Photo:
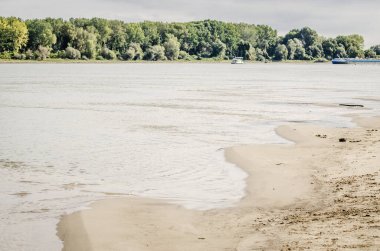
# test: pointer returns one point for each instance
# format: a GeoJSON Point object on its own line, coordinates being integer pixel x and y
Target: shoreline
{"type": "Point", "coordinates": [203, 61]}
{"type": "Point", "coordinates": [317, 193]}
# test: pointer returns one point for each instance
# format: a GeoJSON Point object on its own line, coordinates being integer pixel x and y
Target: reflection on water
{"type": "Point", "coordinates": [70, 134]}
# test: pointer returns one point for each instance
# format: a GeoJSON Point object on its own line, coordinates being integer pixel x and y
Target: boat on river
{"type": "Point", "coordinates": [354, 60]}
{"type": "Point", "coordinates": [237, 60]}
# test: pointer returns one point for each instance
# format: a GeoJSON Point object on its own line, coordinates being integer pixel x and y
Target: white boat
{"type": "Point", "coordinates": [237, 60]}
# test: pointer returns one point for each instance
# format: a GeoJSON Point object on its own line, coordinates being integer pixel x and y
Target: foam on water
{"type": "Point", "coordinates": [71, 134]}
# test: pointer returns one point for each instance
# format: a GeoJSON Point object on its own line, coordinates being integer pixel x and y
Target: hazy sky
{"type": "Point", "coordinates": [328, 17]}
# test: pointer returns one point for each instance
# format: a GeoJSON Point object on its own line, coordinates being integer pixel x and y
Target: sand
{"type": "Point", "coordinates": [317, 194]}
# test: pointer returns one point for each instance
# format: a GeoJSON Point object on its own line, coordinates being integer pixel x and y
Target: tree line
{"type": "Point", "coordinates": [102, 39]}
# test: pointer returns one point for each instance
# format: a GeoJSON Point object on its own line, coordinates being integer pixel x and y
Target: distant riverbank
{"type": "Point", "coordinates": [73, 61]}
{"type": "Point", "coordinates": [102, 39]}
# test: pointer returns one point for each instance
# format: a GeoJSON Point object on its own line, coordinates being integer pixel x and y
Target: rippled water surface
{"type": "Point", "coordinates": [74, 133]}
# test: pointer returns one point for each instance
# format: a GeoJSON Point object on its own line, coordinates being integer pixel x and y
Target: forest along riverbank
{"type": "Point", "coordinates": [322, 192]}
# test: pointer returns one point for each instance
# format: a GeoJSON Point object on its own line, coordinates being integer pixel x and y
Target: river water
{"type": "Point", "coordinates": [74, 133]}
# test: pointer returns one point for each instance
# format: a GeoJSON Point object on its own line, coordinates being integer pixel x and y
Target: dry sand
{"type": "Point", "coordinates": [317, 194]}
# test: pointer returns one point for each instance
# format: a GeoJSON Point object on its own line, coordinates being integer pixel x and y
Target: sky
{"type": "Point", "coordinates": [328, 17]}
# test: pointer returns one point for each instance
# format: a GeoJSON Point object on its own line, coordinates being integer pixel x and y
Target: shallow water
{"type": "Point", "coordinates": [74, 133]}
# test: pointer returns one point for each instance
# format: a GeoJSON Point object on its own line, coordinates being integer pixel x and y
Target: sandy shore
{"type": "Point", "coordinates": [317, 194]}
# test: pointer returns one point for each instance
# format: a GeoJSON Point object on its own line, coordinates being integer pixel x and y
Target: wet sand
{"type": "Point", "coordinates": [318, 194]}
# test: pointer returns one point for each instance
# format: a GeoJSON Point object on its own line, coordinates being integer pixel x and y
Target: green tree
{"type": "Point", "coordinates": [370, 53]}
{"type": "Point", "coordinates": [42, 52]}
{"type": "Point", "coordinates": [13, 34]}
{"type": "Point", "coordinates": [329, 48]}
{"type": "Point", "coordinates": [149, 35]}
{"type": "Point", "coordinates": [155, 53]}
{"type": "Point", "coordinates": [340, 52]}
{"type": "Point", "coordinates": [108, 54]}
{"type": "Point", "coordinates": [135, 34]}
{"type": "Point", "coordinates": [230, 36]}
{"type": "Point", "coordinates": [118, 39]}
{"type": "Point", "coordinates": [56, 25]}
{"type": "Point", "coordinates": [204, 49]}
{"type": "Point", "coordinates": [66, 36]}
{"type": "Point", "coordinates": [296, 49]}
{"type": "Point", "coordinates": [248, 33]}
{"type": "Point", "coordinates": [281, 52]}
{"type": "Point", "coordinates": [309, 37]}
{"type": "Point", "coordinates": [72, 53]}
{"type": "Point", "coordinates": [246, 50]}
{"type": "Point", "coordinates": [84, 22]}
{"type": "Point", "coordinates": [103, 30]}
{"type": "Point", "coordinates": [260, 55]}
{"type": "Point", "coordinates": [171, 47]}
{"type": "Point", "coordinates": [189, 39]}
{"type": "Point", "coordinates": [184, 56]}
{"type": "Point", "coordinates": [85, 42]}
{"type": "Point", "coordinates": [353, 45]}
{"type": "Point", "coordinates": [134, 52]}
{"type": "Point", "coordinates": [218, 49]}
{"type": "Point", "coordinates": [40, 34]}
{"type": "Point", "coordinates": [266, 40]}
{"type": "Point", "coordinates": [29, 54]}
{"type": "Point", "coordinates": [315, 51]}
{"type": "Point", "coordinates": [310, 41]}
{"type": "Point", "coordinates": [376, 49]}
